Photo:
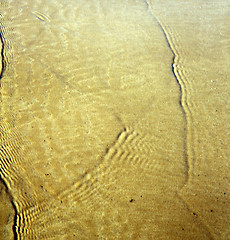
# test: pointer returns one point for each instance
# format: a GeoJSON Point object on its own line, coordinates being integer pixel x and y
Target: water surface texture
{"type": "Point", "coordinates": [114, 119]}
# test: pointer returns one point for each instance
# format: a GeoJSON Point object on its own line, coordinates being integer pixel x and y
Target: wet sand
{"type": "Point", "coordinates": [114, 120]}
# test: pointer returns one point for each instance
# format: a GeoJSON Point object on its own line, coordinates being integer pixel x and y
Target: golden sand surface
{"type": "Point", "coordinates": [114, 119]}
{"type": "Point", "coordinates": [7, 213]}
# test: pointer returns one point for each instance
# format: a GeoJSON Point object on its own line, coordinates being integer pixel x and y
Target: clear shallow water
{"type": "Point", "coordinates": [114, 119]}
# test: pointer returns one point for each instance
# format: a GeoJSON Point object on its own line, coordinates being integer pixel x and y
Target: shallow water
{"type": "Point", "coordinates": [114, 120]}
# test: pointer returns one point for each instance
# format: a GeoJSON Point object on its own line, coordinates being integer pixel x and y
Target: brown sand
{"type": "Point", "coordinates": [101, 137]}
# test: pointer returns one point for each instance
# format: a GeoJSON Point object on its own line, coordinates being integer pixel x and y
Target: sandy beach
{"type": "Point", "coordinates": [114, 120]}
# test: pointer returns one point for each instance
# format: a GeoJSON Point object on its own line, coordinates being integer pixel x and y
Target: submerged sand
{"type": "Point", "coordinates": [114, 120]}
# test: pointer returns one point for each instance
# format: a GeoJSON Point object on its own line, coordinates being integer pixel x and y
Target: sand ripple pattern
{"type": "Point", "coordinates": [185, 89]}
{"type": "Point", "coordinates": [96, 123]}
{"type": "Point", "coordinates": [195, 72]}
